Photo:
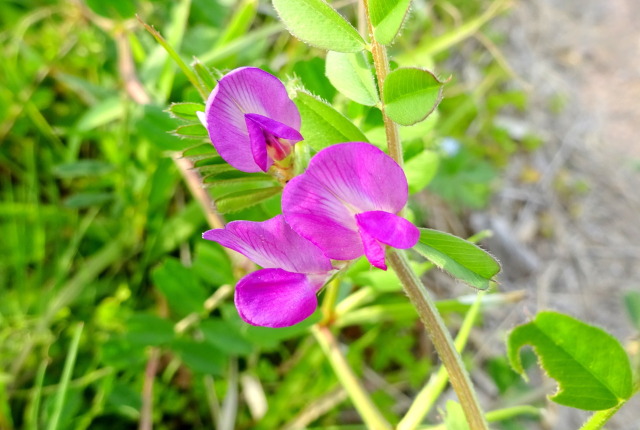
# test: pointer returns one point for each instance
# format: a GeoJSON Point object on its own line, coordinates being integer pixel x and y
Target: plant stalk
{"type": "Point", "coordinates": [440, 337]}
{"type": "Point", "coordinates": [412, 285]}
{"type": "Point", "coordinates": [329, 302]}
{"type": "Point", "coordinates": [429, 394]}
{"type": "Point", "coordinates": [381, 64]}
{"type": "Point", "coordinates": [600, 418]}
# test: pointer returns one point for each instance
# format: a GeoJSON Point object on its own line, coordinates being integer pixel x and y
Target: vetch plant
{"type": "Point", "coordinates": [348, 201]}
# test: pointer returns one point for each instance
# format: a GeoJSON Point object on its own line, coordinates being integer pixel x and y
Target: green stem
{"type": "Point", "coordinates": [366, 408]}
{"type": "Point", "coordinates": [427, 397]}
{"type": "Point", "coordinates": [440, 337]}
{"type": "Point", "coordinates": [381, 64]}
{"type": "Point", "coordinates": [329, 302]}
{"type": "Point", "coordinates": [413, 287]}
{"type": "Point", "coordinates": [600, 418]}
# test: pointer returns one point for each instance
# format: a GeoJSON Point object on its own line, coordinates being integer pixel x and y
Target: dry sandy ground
{"type": "Point", "coordinates": [572, 238]}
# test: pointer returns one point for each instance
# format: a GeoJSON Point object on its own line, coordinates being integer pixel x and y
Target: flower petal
{"type": "Point", "coordinates": [373, 250]}
{"type": "Point", "coordinates": [258, 144]}
{"type": "Point", "coordinates": [275, 298]}
{"type": "Point", "coordinates": [274, 127]}
{"type": "Point", "coordinates": [341, 181]}
{"type": "Point", "coordinates": [259, 127]}
{"type": "Point", "coordinates": [315, 214]}
{"type": "Point", "coordinates": [271, 244]}
{"type": "Point", "coordinates": [244, 91]}
{"type": "Point", "coordinates": [389, 229]}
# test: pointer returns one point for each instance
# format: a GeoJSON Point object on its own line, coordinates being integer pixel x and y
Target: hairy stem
{"type": "Point", "coordinates": [381, 64]}
{"type": "Point", "coordinates": [600, 418]}
{"type": "Point", "coordinates": [440, 337]}
{"type": "Point", "coordinates": [428, 396]}
{"type": "Point", "coordinates": [366, 408]}
{"type": "Point", "coordinates": [413, 287]}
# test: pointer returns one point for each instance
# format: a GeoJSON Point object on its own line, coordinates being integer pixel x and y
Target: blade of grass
{"type": "Point", "coordinates": [33, 410]}
{"type": "Point", "coordinates": [240, 22]}
{"type": "Point", "coordinates": [175, 33]}
{"type": "Point", "coordinates": [92, 267]}
{"type": "Point", "coordinates": [66, 377]}
{"type": "Point", "coordinates": [431, 47]}
{"type": "Point", "coordinates": [361, 400]}
{"type": "Point", "coordinates": [239, 44]}
{"type": "Point", "coordinates": [191, 76]}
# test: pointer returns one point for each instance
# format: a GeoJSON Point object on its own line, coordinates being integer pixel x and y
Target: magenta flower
{"type": "Point", "coordinates": [284, 292]}
{"type": "Point", "coordinates": [251, 120]}
{"type": "Point", "coordinates": [347, 203]}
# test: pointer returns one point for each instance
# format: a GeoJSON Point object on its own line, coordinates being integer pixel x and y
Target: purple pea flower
{"type": "Point", "coordinates": [283, 293]}
{"type": "Point", "coordinates": [251, 120]}
{"type": "Point", "coordinates": [347, 203]}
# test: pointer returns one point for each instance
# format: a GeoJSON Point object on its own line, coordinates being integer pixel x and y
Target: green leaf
{"type": "Point", "coordinates": [271, 338]}
{"type": "Point", "coordinates": [387, 17]}
{"type": "Point", "coordinates": [318, 24]}
{"type": "Point", "coordinates": [180, 287]}
{"type": "Point", "coordinates": [421, 169]}
{"type": "Point", "coordinates": [155, 125]}
{"type": "Point", "coordinates": [85, 200]}
{"type": "Point", "coordinates": [212, 264]}
{"type": "Point", "coordinates": [194, 152]}
{"type": "Point", "coordinates": [201, 357]}
{"type": "Point", "coordinates": [240, 23]}
{"type": "Point", "coordinates": [100, 114]}
{"type": "Point", "coordinates": [235, 177]}
{"type": "Point", "coordinates": [591, 367]}
{"type": "Point", "coordinates": [82, 168]}
{"type": "Point", "coordinates": [239, 200]}
{"type": "Point", "coordinates": [191, 131]}
{"type": "Point", "coordinates": [322, 125]}
{"type": "Point", "coordinates": [461, 259]}
{"type": "Point", "coordinates": [226, 337]}
{"type": "Point", "coordinates": [207, 161]}
{"type": "Point", "coordinates": [205, 75]}
{"type": "Point", "coordinates": [117, 9]}
{"type": "Point", "coordinates": [351, 75]}
{"type": "Point", "coordinates": [210, 170]}
{"type": "Point", "coordinates": [186, 110]}
{"type": "Point", "coordinates": [632, 304]}
{"type": "Point", "coordinates": [411, 94]}
{"type": "Point", "coordinates": [147, 329]}
{"type": "Point", "coordinates": [312, 74]}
